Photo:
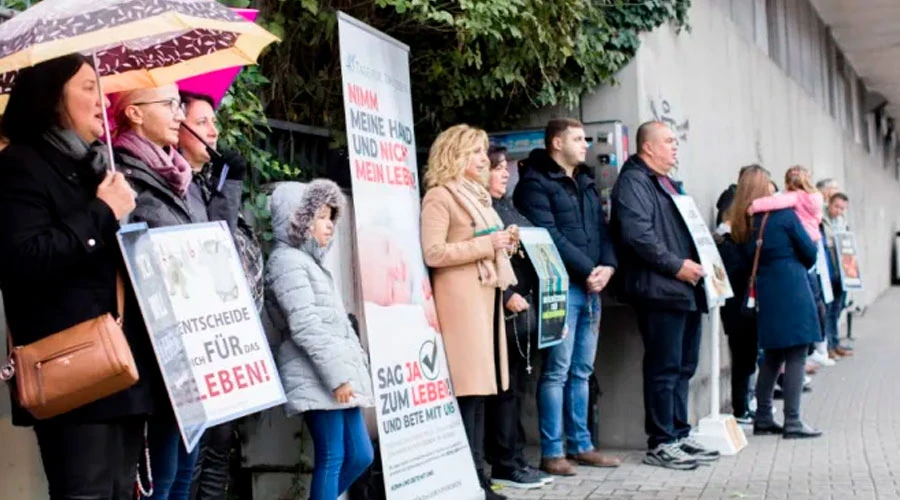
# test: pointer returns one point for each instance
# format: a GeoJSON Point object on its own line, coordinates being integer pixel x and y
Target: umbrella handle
{"type": "Point", "coordinates": [109, 147]}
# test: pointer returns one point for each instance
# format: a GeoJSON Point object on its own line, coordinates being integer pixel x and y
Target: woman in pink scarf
{"type": "Point", "coordinates": [145, 139]}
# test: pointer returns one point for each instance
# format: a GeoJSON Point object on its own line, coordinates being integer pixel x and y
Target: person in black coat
{"type": "Point", "coordinates": [557, 192]}
{"type": "Point", "coordinates": [504, 433]}
{"type": "Point", "coordinates": [59, 213]}
{"type": "Point", "coordinates": [787, 315]}
{"type": "Point", "coordinates": [660, 276]}
{"type": "Point", "coordinates": [739, 327]}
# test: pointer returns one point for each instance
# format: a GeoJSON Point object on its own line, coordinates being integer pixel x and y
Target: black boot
{"type": "Point", "coordinates": [489, 493]}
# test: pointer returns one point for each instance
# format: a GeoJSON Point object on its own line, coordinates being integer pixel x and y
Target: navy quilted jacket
{"type": "Point", "coordinates": [569, 208]}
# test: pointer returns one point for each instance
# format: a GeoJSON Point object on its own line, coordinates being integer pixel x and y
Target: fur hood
{"type": "Point", "coordinates": [294, 206]}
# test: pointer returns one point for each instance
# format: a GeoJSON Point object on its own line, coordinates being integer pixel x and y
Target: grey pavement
{"type": "Point", "coordinates": [856, 403]}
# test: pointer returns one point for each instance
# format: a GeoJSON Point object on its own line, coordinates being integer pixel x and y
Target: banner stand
{"type": "Point", "coordinates": [718, 431]}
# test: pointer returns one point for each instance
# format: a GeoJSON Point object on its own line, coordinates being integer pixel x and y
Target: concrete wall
{"type": "Point", "coordinates": [731, 105]}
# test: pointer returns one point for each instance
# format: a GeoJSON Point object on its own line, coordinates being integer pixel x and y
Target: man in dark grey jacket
{"type": "Point", "coordinates": [660, 276]}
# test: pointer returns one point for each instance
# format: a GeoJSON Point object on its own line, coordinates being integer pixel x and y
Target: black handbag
{"type": "Point", "coordinates": [749, 306]}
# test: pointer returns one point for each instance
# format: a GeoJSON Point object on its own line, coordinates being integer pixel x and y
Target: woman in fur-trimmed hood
{"type": "Point", "coordinates": [322, 364]}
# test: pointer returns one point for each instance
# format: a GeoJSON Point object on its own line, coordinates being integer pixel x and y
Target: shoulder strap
{"type": "Point", "coordinates": [759, 244]}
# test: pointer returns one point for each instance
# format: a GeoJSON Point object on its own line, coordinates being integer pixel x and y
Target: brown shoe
{"type": "Point", "coordinates": [840, 351]}
{"type": "Point", "coordinates": [811, 368]}
{"type": "Point", "coordinates": [558, 467]}
{"type": "Point", "coordinates": [833, 354]}
{"type": "Point", "coordinates": [595, 459]}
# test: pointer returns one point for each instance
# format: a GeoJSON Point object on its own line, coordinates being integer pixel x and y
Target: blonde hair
{"type": "Point", "coordinates": [450, 154]}
{"type": "Point", "coordinates": [798, 178]}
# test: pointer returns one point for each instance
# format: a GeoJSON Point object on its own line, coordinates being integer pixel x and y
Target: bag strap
{"type": "Point", "coordinates": [759, 244]}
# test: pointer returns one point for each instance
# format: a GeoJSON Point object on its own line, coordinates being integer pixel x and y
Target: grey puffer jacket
{"type": "Point", "coordinates": [319, 350]}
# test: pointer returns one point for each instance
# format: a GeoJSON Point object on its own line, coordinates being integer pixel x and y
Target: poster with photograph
{"type": "Point", "coordinates": [424, 450]}
{"type": "Point", "coordinates": [716, 283]}
{"type": "Point", "coordinates": [203, 324]}
{"type": "Point", "coordinates": [553, 288]}
{"type": "Point", "coordinates": [848, 257]}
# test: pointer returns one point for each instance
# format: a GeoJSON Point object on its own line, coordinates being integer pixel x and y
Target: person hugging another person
{"type": "Point", "coordinates": [322, 364]}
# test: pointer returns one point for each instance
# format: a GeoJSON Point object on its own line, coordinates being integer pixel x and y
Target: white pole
{"type": "Point", "coordinates": [715, 321]}
{"type": "Point", "coordinates": [109, 147]}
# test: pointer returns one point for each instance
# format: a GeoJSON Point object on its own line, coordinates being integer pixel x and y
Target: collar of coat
{"type": "Point", "coordinates": [136, 170]}
{"type": "Point", "coordinates": [635, 162]}
{"type": "Point", "coordinates": [541, 162]}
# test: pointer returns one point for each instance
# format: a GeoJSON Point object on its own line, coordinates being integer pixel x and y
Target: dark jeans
{"type": "Point", "coordinates": [832, 316]}
{"type": "Point", "coordinates": [91, 461]}
{"type": "Point", "coordinates": [504, 445]}
{"type": "Point", "coordinates": [172, 465]}
{"type": "Point", "coordinates": [744, 348]}
{"type": "Point", "coordinates": [671, 351]}
{"type": "Point", "coordinates": [343, 450]}
{"type": "Point", "coordinates": [471, 409]}
{"type": "Point", "coordinates": [212, 474]}
{"type": "Point", "coordinates": [794, 359]}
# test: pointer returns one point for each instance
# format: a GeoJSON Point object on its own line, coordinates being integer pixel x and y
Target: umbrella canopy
{"type": "Point", "coordinates": [137, 43]}
{"type": "Point", "coordinates": [216, 84]}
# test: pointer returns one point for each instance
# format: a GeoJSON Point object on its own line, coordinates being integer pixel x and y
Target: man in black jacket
{"type": "Point", "coordinates": [660, 276]}
{"type": "Point", "coordinates": [558, 192]}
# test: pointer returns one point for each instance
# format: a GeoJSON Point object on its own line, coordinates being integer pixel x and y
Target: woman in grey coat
{"type": "Point", "coordinates": [323, 367]}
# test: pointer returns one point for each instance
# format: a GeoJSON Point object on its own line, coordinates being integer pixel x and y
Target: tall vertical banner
{"type": "Point", "coordinates": [205, 331]}
{"type": "Point", "coordinates": [424, 450]}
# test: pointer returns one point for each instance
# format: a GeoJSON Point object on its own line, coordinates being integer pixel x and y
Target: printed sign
{"type": "Point", "coordinates": [553, 282]}
{"type": "Point", "coordinates": [824, 275]}
{"type": "Point", "coordinates": [848, 257]}
{"type": "Point", "coordinates": [203, 323]}
{"type": "Point", "coordinates": [424, 449]}
{"type": "Point", "coordinates": [716, 283]}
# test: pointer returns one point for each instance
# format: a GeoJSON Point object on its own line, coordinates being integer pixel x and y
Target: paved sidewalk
{"type": "Point", "coordinates": [856, 403]}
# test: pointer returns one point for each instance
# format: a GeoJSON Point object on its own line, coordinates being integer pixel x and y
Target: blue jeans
{"type": "Point", "coordinates": [343, 450]}
{"type": "Point", "coordinates": [563, 389]}
{"type": "Point", "coordinates": [172, 465]}
{"type": "Point", "coordinates": [832, 316]}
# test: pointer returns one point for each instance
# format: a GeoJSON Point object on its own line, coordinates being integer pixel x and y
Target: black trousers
{"type": "Point", "coordinates": [212, 475]}
{"type": "Point", "coordinates": [471, 409]}
{"type": "Point", "coordinates": [671, 352]}
{"type": "Point", "coordinates": [743, 346]}
{"type": "Point", "coordinates": [95, 461]}
{"type": "Point", "coordinates": [504, 445]}
{"type": "Point", "coordinates": [794, 361]}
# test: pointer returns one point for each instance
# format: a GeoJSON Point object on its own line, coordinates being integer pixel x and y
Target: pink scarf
{"type": "Point", "coordinates": [171, 166]}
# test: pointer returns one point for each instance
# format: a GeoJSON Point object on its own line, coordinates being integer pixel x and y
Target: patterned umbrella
{"type": "Point", "coordinates": [136, 43]}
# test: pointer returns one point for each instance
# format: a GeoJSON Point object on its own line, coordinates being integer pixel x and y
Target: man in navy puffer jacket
{"type": "Point", "coordinates": [557, 192]}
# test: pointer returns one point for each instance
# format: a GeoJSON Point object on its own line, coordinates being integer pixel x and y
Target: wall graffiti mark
{"type": "Point", "coordinates": [664, 114]}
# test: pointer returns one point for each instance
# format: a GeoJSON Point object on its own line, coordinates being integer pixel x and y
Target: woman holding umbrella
{"type": "Point", "coordinates": [59, 212]}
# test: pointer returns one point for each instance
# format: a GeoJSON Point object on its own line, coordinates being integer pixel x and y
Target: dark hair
{"type": "Point", "coordinates": [189, 98]}
{"type": "Point", "coordinates": [36, 98]}
{"type": "Point", "coordinates": [556, 127]}
{"type": "Point", "coordinates": [839, 196]}
{"type": "Point", "coordinates": [495, 153]}
{"type": "Point", "coordinates": [644, 132]}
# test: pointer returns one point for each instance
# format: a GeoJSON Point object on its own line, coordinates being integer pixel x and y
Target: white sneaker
{"type": "Point", "coordinates": [821, 359]}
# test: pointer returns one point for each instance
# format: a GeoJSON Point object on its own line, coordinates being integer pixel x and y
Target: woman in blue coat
{"type": "Point", "coordinates": [787, 317]}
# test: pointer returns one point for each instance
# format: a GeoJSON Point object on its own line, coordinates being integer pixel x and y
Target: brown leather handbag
{"type": "Point", "coordinates": [74, 367]}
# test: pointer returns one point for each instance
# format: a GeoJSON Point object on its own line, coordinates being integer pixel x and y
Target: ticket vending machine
{"type": "Point", "coordinates": [607, 151]}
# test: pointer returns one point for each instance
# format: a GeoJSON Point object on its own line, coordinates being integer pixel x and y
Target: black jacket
{"type": "Point", "coordinates": [526, 279]}
{"type": "Point", "coordinates": [58, 263]}
{"type": "Point", "coordinates": [652, 242]}
{"type": "Point", "coordinates": [569, 208]}
{"type": "Point", "coordinates": [738, 265]}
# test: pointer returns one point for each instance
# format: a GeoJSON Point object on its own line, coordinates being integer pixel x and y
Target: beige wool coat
{"type": "Point", "coordinates": [470, 314]}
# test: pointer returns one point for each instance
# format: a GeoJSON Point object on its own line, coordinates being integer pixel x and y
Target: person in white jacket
{"type": "Point", "coordinates": [323, 366]}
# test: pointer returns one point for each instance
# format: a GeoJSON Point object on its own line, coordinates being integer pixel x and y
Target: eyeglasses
{"type": "Point", "coordinates": [175, 105]}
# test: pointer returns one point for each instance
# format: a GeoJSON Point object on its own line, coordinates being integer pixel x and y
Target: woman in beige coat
{"type": "Point", "coordinates": [465, 245]}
